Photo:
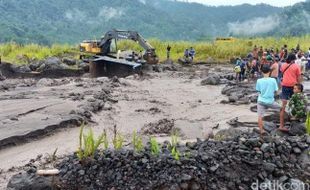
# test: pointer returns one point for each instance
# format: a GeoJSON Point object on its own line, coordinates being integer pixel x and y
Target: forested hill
{"type": "Point", "coordinates": [70, 21]}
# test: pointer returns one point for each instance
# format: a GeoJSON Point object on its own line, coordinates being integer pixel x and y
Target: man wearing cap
{"type": "Point", "coordinates": [291, 76]}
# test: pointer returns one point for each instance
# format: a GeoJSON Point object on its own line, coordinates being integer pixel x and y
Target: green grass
{"type": "Point", "coordinates": [221, 51]}
{"type": "Point", "coordinates": [22, 54]}
{"type": "Point", "coordinates": [88, 144]}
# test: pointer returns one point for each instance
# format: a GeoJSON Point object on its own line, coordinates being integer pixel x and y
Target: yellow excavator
{"type": "Point", "coordinates": [104, 57]}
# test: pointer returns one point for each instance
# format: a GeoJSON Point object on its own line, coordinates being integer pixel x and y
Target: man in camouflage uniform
{"type": "Point", "coordinates": [298, 103]}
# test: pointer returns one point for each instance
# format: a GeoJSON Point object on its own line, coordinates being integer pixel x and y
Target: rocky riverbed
{"type": "Point", "coordinates": [42, 114]}
{"type": "Point", "coordinates": [242, 162]}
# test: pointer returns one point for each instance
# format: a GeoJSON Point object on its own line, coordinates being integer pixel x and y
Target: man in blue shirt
{"type": "Point", "coordinates": [267, 87]}
{"type": "Point", "coordinates": [192, 53]}
{"type": "Point", "coordinates": [186, 53]}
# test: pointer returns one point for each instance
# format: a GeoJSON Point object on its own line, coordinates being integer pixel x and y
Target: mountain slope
{"type": "Point", "coordinates": [70, 21]}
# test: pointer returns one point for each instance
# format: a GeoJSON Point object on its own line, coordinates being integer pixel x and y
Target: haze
{"type": "Point", "coordinates": [278, 3]}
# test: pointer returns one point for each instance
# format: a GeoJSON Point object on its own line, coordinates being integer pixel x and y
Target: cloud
{"type": "Point", "coordinates": [75, 15]}
{"type": "Point", "coordinates": [142, 1]}
{"type": "Point", "coordinates": [108, 13]}
{"type": "Point", "coordinates": [305, 18]}
{"type": "Point", "coordinates": [255, 26]}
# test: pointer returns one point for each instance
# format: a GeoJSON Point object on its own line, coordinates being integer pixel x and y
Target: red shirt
{"type": "Point", "coordinates": [291, 75]}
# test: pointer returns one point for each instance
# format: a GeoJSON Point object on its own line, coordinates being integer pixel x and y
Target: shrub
{"type": "Point", "coordinates": [308, 123]}
{"type": "Point", "coordinates": [155, 149]}
{"type": "Point", "coordinates": [118, 139]}
{"type": "Point", "coordinates": [173, 147]}
{"type": "Point", "coordinates": [137, 142]}
{"type": "Point", "coordinates": [88, 144]}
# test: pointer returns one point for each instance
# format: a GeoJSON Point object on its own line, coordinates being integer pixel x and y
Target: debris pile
{"type": "Point", "coordinates": [163, 126]}
{"type": "Point", "coordinates": [244, 93]}
{"type": "Point", "coordinates": [228, 164]}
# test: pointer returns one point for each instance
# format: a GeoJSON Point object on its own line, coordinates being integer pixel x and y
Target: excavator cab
{"type": "Point", "coordinates": [104, 58]}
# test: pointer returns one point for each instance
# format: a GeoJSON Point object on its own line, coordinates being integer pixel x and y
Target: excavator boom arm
{"type": "Point", "coordinates": [125, 35]}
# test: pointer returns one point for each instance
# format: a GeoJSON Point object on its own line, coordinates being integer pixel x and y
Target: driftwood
{"type": "Point", "coordinates": [49, 172]}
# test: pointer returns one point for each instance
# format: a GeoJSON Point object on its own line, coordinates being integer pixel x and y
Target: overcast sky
{"type": "Point", "coordinates": [278, 3]}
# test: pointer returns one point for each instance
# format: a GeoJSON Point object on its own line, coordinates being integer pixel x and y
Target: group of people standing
{"type": "Point", "coordinates": [190, 53]}
{"type": "Point", "coordinates": [279, 72]}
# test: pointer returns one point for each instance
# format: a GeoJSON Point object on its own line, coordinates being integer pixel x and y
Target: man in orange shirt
{"type": "Point", "coordinates": [291, 76]}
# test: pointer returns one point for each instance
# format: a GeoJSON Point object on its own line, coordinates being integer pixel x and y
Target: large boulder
{"type": "Point", "coordinates": [233, 98]}
{"type": "Point", "coordinates": [69, 61]}
{"type": "Point", "coordinates": [35, 65]}
{"type": "Point", "coordinates": [52, 63]}
{"type": "Point", "coordinates": [297, 128]}
{"type": "Point", "coordinates": [2, 77]}
{"type": "Point", "coordinates": [84, 66]}
{"type": "Point", "coordinates": [30, 181]}
{"type": "Point", "coordinates": [211, 80]}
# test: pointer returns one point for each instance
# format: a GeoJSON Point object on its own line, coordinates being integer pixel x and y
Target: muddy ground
{"type": "Point", "coordinates": [40, 115]}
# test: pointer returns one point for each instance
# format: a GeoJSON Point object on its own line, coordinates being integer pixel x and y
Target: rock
{"type": "Point", "coordinates": [269, 126]}
{"type": "Point", "coordinates": [157, 68]}
{"type": "Point", "coordinates": [27, 181]}
{"type": "Point", "coordinates": [34, 66]}
{"type": "Point", "coordinates": [223, 81]}
{"type": "Point", "coordinates": [45, 82]}
{"type": "Point", "coordinates": [69, 61]}
{"type": "Point", "coordinates": [304, 160]}
{"type": "Point", "coordinates": [165, 126]}
{"type": "Point", "coordinates": [253, 98]}
{"type": "Point", "coordinates": [52, 61]}
{"type": "Point", "coordinates": [231, 163]}
{"type": "Point", "coordinates": [211, 80]}
{"type": "Point", "coordinates": [269, 167]}
{"type": "Point", "coordinates": [186, 177]}
{"type": "Point", "coordinates": [297, 150]}
{"type": "Point", "coordinates": [195, 186]}
{"type": "Point", "coordinates": [169, 67]}
{"type": "Point", "coordinates": [265, 147]}
{"type": "Point", "coordinates": [41, 67]}
{"type": "Point", "coordinates": [2, 77]}
{"type": "Point", "coordinates": [244, 100]}
{"type": "Point", "coordinates": [214, 168]}
{"type": "Point", "coordinates": [283, 179]}
{"type": "Point", "coordinates": [297, 129]}
{"type": "Point", "coordinates": [24, 69]}
{"type": "Point", "coordinates": [184, 186]}
{"type": "Point", "coordinates": [230, 133]}
{"type": "Point", "coordinates": [81, 172]}
{"type": "Point", "coordinates": [14, 118]}
{"type": "Point", "coordinates": [224, 102]}
{"type": "Point", "coordinates": [84, 66]}
{"type": "Point", "coordinates": [233, 98]}
{"type": "Point", "coordinates": [277, 132]}
{"type": "Point", "coordinates": [226, 90]}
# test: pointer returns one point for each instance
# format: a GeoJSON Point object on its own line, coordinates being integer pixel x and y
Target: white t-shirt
{"type": "Point", "coordinates": [301, 64]}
